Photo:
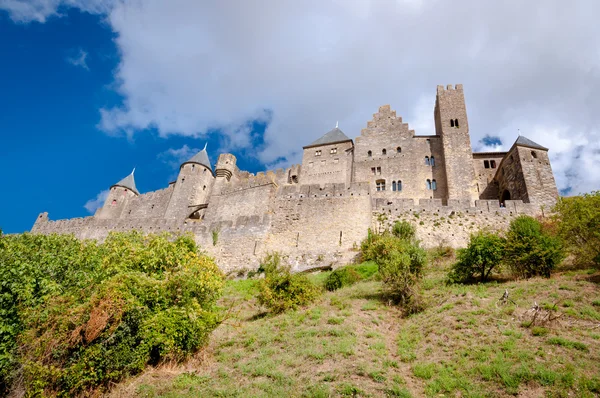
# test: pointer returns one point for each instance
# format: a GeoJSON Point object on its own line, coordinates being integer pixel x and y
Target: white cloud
{"type": "Point", "coordinates": [79, 59]}
{"type": "Point", "coordinates": [188, 66]}
{"type": "Point", "coordinates": [175, 157]}
{"type": "Point", "coordinates": [24, 11]}
{"type": "Point", "coordinates": [94, 204]}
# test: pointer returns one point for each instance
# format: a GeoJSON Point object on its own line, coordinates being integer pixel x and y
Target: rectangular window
{"type": "Point", "coordinates": [379, 171]}
{"type": "Point", "coordinates": [318, 153]}
{"type": "Point", "coordinates": [486, 164]}
{"type": "Point", "coordinates": [493, 164]}
{"type": "Point", "coordinates": [333, 150]}
{"type": "Point", "coordinates": [322, 162]}
{"type": "Point", "coordinates": [380, 184]}
{"type": "Point", "coordinates": [310, 164]}
{"type": "Point", "coordinates": [336, 160]}
{"type": "Point", "coordinates": [373, 170]}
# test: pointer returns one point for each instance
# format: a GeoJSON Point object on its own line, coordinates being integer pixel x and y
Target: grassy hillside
{"type": "Point", "coordinates": [352, 343]}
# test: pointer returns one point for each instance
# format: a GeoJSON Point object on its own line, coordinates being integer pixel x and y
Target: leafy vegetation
{"type": "Point", "coordinates": [77, 315]}
{"type": "Point", "coordinates": [282, 290]}
{"type": "Point", "coordinates": [531, 251]}
{"type": "Point", "coordinates": [482, 256]}
{"type": "Point", "coordinates": [404, 230]}
{"type": "Point", "coordinates": [400, 264]}
{"type": "Point", "coordinates": [344, 276]}
{"type": "Point", "coordinates": [578, 220]}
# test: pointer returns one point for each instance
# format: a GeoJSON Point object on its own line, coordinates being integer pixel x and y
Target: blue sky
{"type": "Point", "coordinates": [92, 88]}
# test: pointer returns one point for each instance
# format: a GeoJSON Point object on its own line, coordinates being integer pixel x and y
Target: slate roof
{"type": "Point", "coordinates": [200, 158]}
{"type": "Point", "coordinates": [128, 182]}
{"type": "Point", "coordinates": [527, 142]}
{"type": "Point", "coordinates": [334, 136]}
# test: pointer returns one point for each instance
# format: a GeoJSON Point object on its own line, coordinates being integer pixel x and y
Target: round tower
{"type": "Point", "coordinates": [193, 187]}
{"type": "Point", "coordinates": [224, 170]}
{"type": "Point", "coordinates": [118, 197]}
{"type": "Point", "coordinates": [225, 166]}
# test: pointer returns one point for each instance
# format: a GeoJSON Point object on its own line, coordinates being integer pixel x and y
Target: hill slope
{"type": "Point", "coordinates": [351, 343]}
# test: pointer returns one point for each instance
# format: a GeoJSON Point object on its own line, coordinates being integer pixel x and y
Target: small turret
{"type": "Point", "coordinates": [193, 186]}
{"type": "Point", "coordinates": [225, 166]}
{"type": "Point", "coordinates": [117, 198]}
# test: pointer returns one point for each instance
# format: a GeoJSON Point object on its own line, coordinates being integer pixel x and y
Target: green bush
{"type": "Point", "coordinates": [281, 290]}
{"type": "Point", "coordinates": [529, 250]}
{"type": "Point", "coordinates": [341, 277]}
{"type": "Point", "coordinates": [404, 230]}
{"type": "Point", "coordinates": [400, 265]}
{"type": "Point", "coordinates": [579, 226]}
{"type": "Point", "coordinates": [366, 270]}
{"type": "Point", "coordinates": [482, 255]}
{"type": "Point", "coordinates": [78, 315]}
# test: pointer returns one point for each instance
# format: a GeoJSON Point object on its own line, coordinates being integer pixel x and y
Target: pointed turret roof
{"type": "Point", "coordinates": [200, 158]}
{"type": "Point", "coordinates": [128, 182]}
{"type": "Point", "coordinates": [523, 141]}
{"type": "Point", "coordinates": [332, 137]}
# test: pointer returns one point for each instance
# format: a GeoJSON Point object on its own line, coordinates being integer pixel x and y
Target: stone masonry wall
{"type": "Point", "coordinates": [404, 158]}
{"type": "Point", "coordinates": [448, 225]}
{"type": "Point", "coordinates": [487, 188]}
{"type": "Point", "coordinates": [327, 164]}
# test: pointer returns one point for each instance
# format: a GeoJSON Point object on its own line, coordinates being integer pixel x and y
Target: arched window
{"type": "Point", "coordinates": [428, 184]}
{"type": "Point", "coordinates": [433, 185]}
{"type": "Point", "coordinates": [426, 160]}
{"type": "Point", "coordinates": [399, 186]}
{"type": "Point", "coordinates": [534, 154]}
{"type": "Point", "coordinates": [393, 185]}
{"type": "Point", "coordinates": [380, 185]}
{"type": "Point", "coordinates": [486, 164]}
{"type": "Point", "coordinates": [432, 161]}
{"type": "Point", "coordinates": [398, 150]}
{"type": "Point", "coordinates": [456, 123]}
{"type": "Point", "coordinates": [451, 122]}
{"type": "Point", "coordinates": [114, 202]}
{"type": "Point", "coordinates": [369, 154]}
{"type": "Point", "coordinates": [383, 151]}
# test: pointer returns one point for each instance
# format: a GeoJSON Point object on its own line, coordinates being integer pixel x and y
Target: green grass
{"type": "Point", "coordinates": [351, 342]}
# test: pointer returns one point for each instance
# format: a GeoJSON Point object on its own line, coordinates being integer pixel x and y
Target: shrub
{"type": "Point", "coordinates": [77, 315]}
{"type": "Point", "coordinates": [400, 265]}
{"type": "Point", "coordinates": [530, 251]}
{"type": "Point", "coordinates": [579, 226]}
{"type": "Point", "coordinates": [281, 290]}
{"type": "Point", "coordinates": [483, 253]}
{"type": "Point", "coordinates": [441, 252]}
{"type": "Point", "coordinates": [341, 277]}
{"type": "Point", "coordinates": [403, 230]}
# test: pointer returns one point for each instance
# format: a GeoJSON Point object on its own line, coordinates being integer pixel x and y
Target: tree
{"type": "Point", "coordinates": [529, 250]}
{"type": "Point", "coordinates": [578, 220]}
{"type": "Point", "coordinates": [482, 256]}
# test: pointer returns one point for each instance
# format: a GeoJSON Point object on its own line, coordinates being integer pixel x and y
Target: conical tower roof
{"type": "Point", "coordinates": [128, 182]}
{"type": "Point", "coordinates": [523, 141]}
{"type": "Point", "coordinates": [332, 137]}
{"type": "Point", "coordinates": [200, 158]}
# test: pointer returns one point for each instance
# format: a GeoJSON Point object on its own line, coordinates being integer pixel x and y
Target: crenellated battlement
{"type": "Point", "coordinates": [321, 209]}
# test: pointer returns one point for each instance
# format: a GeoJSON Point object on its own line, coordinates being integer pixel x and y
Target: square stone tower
{"type": "Point", "coordinates": [452, 125]}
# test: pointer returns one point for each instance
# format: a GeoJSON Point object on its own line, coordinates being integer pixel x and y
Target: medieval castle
{"type": "Point", "coordinates": [319, 211]}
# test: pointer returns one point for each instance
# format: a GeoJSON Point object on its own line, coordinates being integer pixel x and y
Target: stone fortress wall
{"type": "Point", "coordinates": [317, 213]}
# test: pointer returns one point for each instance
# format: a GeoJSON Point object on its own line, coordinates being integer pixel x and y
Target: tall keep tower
{"type": "Point", "coordinates": [192, 188]}
{"type": "Point", "coordinates": [118, 196]}
{"type": "Point", "coordinates": [452, 125]}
